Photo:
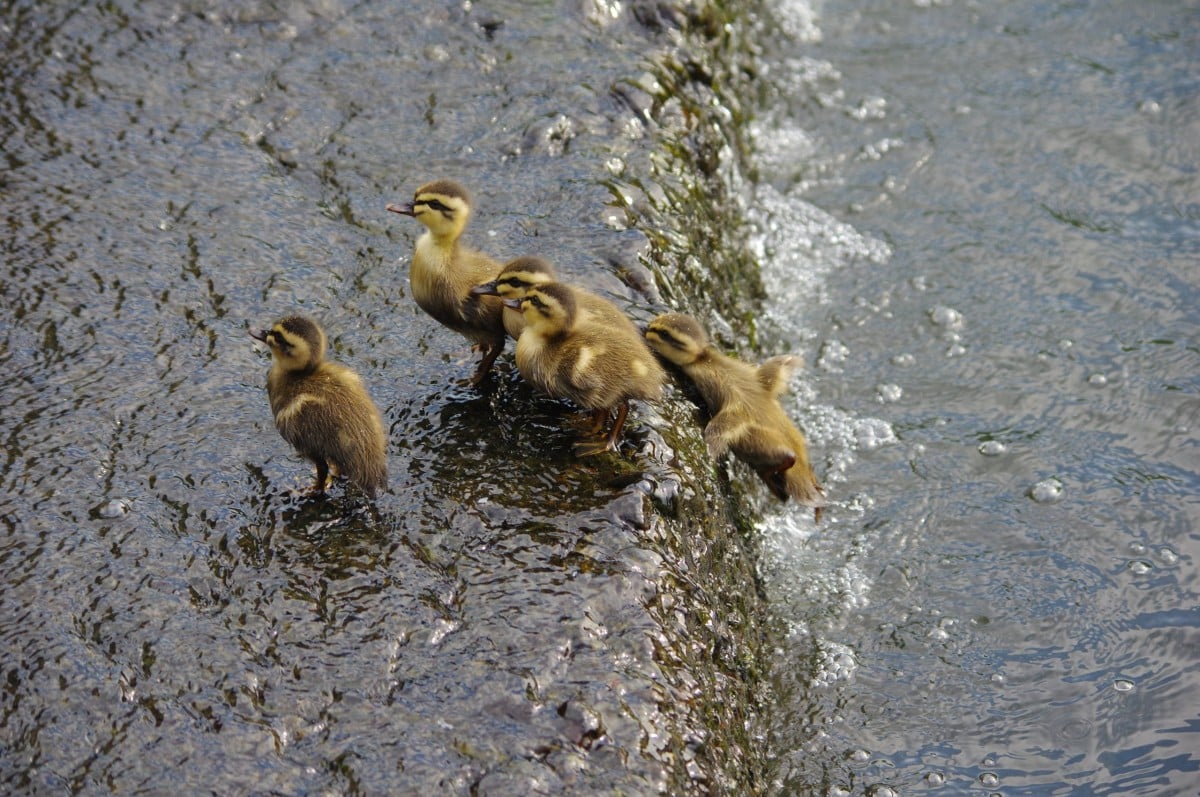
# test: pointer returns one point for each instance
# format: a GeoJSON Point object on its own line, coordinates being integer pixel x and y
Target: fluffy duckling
{"type": "Point", "coordinates": [322, 408]}
{"type": "Point", "coordinates": [523, 273]}
{"type": "Point", "coordinates": [747, 418]}
{"type": "Point", "coordinates": [597, 363]}
{"type": "Point", "coordinates": [443, 271]}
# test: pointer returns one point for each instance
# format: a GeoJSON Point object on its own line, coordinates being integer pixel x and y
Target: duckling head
{"type": "Point", "coordinates": [297, 343]}
{"type": "Point", "coordinates": [442, 205]}
{"type": "Point", "coordinates": [517, 277]}
{"type": "Point", "coordinates": [678, 338]}
{"type": "Point", "coordinates": [548, 309]}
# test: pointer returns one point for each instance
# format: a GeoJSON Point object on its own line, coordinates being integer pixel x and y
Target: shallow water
{"type": "Point", "coordinates": [980, 223]}
{"type": "Point", "coordinates": [505, 619]}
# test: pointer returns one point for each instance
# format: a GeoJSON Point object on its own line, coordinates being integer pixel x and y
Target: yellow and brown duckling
{"type": "Point", "coordinates": [322, 408]}
{"type": "Point", "coordinates": [523, 273]}
{"type": "Point", "coordinates": [443, 270]}
{"type": "Point", "coordinates": [598, 363]}
{"type": "Point", "coordinates": [743, 399]}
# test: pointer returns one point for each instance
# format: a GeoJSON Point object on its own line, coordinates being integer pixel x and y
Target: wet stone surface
{"type": "Point", "coordinates": [506, 618]}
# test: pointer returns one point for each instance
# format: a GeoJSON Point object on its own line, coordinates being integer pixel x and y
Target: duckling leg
{"type": "Point", "coordinates": [610, 442]}
{"type": "Point", "coordinates": [598, 419]}
{"type": "Point", "coordinates": [491, 350]}
{"type": "Point", "coordinates": [618, 425]}
{"type": "Point", "coordinates": [318, 487]}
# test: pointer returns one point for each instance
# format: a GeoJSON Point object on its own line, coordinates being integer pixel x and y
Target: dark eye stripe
{"type": "Point", "coordinates": [669, 338]}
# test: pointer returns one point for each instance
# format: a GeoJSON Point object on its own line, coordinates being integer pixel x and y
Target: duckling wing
{"type": "Point", "coordinates": [775, 373]}
{"type": "Point", "coordinates": [724, 430]}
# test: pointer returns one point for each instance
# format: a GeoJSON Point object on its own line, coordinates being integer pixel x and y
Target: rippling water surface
{"type": "Point", "coordinates": [173, 615]}
{"type": "Point", "coordinates": [981, 223]}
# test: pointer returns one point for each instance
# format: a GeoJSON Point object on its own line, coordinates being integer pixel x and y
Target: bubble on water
{"type": "Point", "coordinates": [1047, 491]}
{"type": "Point", "coordinates": [882, 791]}
{"type": "Point", "coordinates": [1139, 567]}
{"type": "Point", "coordinates": [989, 779]}
{"type": "Point", "coordinates": [1123, 685]}
{"type": "Point", "coordinates": [1137, 548]}
{"type": "Point", "coordinates": [903, 360]}
{"type": "Point", "coordinates": [1168, 556]}
{"type": "Point", "coordinates": [833, 353]}
{"type": "Point", "coordinates": [870, 108]}
{"type": "Point", "coordinates": [1150, 107]}
{"type": "Point", "coordinates": [957, 350]}
{"type": "Point", "coordinates": [989, 761]}
{"type": "Point", "coordinates": [946, 317]}
{"type": "Point", "coordinates": [859, 756]}
{"type": "Point", "coordinates": [873, 433]}
{"type": "Point", "coordinates": [835, 663]}
{"type": "Point", "coordinates": [116, 508]}
{"type": "Point", "coordinates": [839, 791]}
{"type": "Point", "coordinates": [1076, 729]}
{"type": "Point", "coordinates": [1097, 380]}
{"type": "Point", "coordinates": [889, 393]}
{"type": "Point", "coordinates": [992, 448]}
{"type": "Point", "coordinates": [935, 779]}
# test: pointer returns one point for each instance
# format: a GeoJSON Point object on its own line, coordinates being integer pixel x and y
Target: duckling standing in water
{"type": "Point", "coordinates": [598, 363]}
{"type": "Point", "coordinates": [443, 271]}
{"type": "Point", "coordinates": [747, 418]}
{"type": "Point", "coordinates": [523, 273]}
{"type": "Point", "coordinates": [322, 408]}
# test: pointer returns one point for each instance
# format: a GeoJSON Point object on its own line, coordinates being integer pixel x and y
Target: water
{"type": "Point", "coordinates": [505, 619]}
{"type": "Point", "coordinates": [980, 223]}
{"type": "Point", "coordinates": [977, 223]}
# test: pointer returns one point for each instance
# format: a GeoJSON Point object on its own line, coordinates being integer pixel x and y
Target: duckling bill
{"type": "Point", "coordinates": [322, 408]}
{"type": "Point", "coordinates": [443, 270]}
{"type": "Point", "coordinates": [598, 363]}
{"type": "Point", "coordinates": [747, 417]}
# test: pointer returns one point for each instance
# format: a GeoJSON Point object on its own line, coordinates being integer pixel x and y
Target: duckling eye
{"type": "Point", "coordinates": [275, 339]}
{"type": "Point", "coordinates": [668, 338]}
{"type": "Point", "coordinates": [434, 204]}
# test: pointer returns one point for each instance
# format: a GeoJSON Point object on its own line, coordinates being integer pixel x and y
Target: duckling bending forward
{"type": "Point", "coordinates": [747, 418]}
{"type": "Point", "coordinates": [523, 273]}
{"type": "Point", "coordinates": [443, 271]}
{"type": "Point", "coordinates": [322, 408]}
{"type": "Point", "coordinates": [598, 363]}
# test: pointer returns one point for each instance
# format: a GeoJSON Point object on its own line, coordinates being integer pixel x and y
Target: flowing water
{"type": "Point", "coordinates": [977, 221]}
{"type": "Point", "coordinates": [981, 222]}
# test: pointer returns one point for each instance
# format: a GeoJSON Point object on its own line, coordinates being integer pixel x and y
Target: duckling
{"type": "Point", "coordinates": [747, 418]}
{"type": "Point", "coordinates": [595, 362]}
{"type": "Point", "coordinates": [322, 408]}
{"type": "Point", "coordinates": [523, 273]}
{"type": "Point", "coordinates": [443, 271]}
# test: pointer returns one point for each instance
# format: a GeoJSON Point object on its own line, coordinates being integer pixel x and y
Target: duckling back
{"type": "Point", "coordinates": [323, 409]}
